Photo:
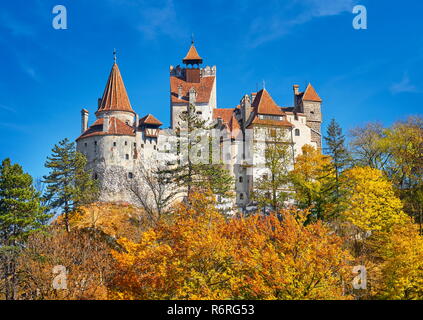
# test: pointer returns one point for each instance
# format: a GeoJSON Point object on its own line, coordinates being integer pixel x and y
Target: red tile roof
{"type": "Point", "coordinates": [116, 127]}
{"type": "Point", "coordinates": [311, 95]}
{"type": "Point", "coordinates": [203, 88]}
{"type": "Point", "coordinates": [192, 56]}
{"type": "Point", "coordinates": [234, 127]}
{"type": "Point", "coordinates": [229, 120]}
{"type": "Point", "coordinates": [115, 97]}
{"type": "Point", "coordinates": [224, 114]}
{"type": "Point", "coordinates": [267, 122]}
{"type": "Point", "coordinates": [150, 119]}
{"type": "Point", "coordinates": [264, 104]}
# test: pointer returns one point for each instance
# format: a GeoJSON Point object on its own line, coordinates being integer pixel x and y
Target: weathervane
{"type": "Point", "coordinates": [114, 55]}
{"type": "Point", "coordinates": [264, 84]}
{"type": "Point", "coordinates": [192, 38]}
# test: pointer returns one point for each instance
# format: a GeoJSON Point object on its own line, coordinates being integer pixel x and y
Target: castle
{"type": "Point", "coordinates": [119, 142]}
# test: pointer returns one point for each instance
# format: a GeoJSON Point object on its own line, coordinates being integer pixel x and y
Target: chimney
{"type": "Point", "coordinates": [253, 96]}
{"type": "Point", "coordinates": [296, 88]}
{"type": "Point", "coordinates": [137, 121]}
{"type": "Point", "coordinates": [106, 123]}
{"type": "Point", "coordinates": [84, 120]}
{"type": "Point", "coordinates": [246, 108]}
{"type": "Point", "coordinates": [180, 92]}
{"type": "Point", "coordinates": [192, 96]}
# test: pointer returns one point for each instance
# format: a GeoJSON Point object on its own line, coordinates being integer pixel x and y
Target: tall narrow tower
{"type": "Point", "coordinates": [189, 79]}
{"type": "Point", "coordinates": [309, 103]}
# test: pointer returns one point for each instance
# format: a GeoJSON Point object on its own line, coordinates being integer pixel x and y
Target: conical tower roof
{"type": "Point", "coordinates": [192, 56]}
{"type": "Point", "coordinates": [264, 104]}
{"type": "Point", "coordinates": [115, 97]}
{"type": "Point", "coordinates": [310, 94]}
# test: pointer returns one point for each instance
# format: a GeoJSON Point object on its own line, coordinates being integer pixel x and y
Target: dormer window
{"type": "Point", "coordinates": [297, 132]}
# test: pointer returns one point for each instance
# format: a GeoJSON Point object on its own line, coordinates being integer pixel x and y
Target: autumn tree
{"type": "Point", "coordinates": [61, 265]}
{"type": "Point", "coordinates": [281, 257]}
{"type": "Point", "coordinates": [153, 191]}
{"type": "Point", "coordinates": [270, 189]}
{"type": "Point", "coordinates": [367, 147]}
{"type": "Point", "coordinates": [313, 182]}
{"type": "Point", "coordinates": [69, 184]}
{"type": "Point", "coordinates": [396, 271]}
{"type": "Point", "coordinates": [21, 214]}
{"type": "Point", "coordinates": [404, 143]}
{"type": "Point", "coordinates": [188, 258]}
{"type": "Point", "coordinates": [370, 202]}
{"type": "Point", "coordinates": [202, 255]}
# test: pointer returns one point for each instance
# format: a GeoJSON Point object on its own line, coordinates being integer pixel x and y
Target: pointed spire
{"type": "Point", "coordinates": [311, 95]}
{"type": "Point", "coordinates": [264, 104]}
{"type": "Point", "coordinates": [115, 97]}
{"type": "Point", "coordinates": [114, 55]}
{"type": "Point", "coordinates": [192, 56]}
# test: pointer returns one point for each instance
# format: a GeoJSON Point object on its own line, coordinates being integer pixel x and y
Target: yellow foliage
{"type": "Point", "coordinates": [399, 271]}
{"type": "Point", "coordinates": [370, 202]}
{"type": "Point", "coordinates": [116, 220]}
{"type": "Point", "coordinates": [200, 255]}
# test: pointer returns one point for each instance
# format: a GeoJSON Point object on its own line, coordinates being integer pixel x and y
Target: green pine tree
{"type": "Point", "coordinates": [189, 174]}
{"type": "Point", "coordinates": [69, 184]}
{"type": "Point", "coordinates": [341, 159]}
{"type": "Point", "coordinates": [21, 214]}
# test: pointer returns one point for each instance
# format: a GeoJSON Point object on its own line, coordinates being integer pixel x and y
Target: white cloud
{"type": "Point", "coordinates": [7, 108]}
{"type": "Point", "coordinates": [284, 17]}
{"type": "Point", "coordinates": [403, 86]}
{"type": "Point", "coordinates": [154, 18]}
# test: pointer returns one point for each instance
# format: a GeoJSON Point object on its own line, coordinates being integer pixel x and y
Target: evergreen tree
{"type": "Point", "coordinates": [21, 214]}
{"type": "Point", "coordinates": [192, 175]}
{"type": "Point", "coordinates": [340, 160]}
{"type": "Point", "coordinates": [335, 141]}
{"type": "Point", "coordinates": [69, 185]}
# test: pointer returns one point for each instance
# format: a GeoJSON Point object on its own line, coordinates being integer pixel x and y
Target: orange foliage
{"type": "Point", "coordinates": [200, 255]}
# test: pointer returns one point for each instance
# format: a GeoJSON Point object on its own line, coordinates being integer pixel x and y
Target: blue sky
{"type": "Point", "coordinates": [48, 75]}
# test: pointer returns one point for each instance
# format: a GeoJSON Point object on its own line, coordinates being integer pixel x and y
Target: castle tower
{"type": "Point", "coordinates": [192, 78]}
{"type": "Point", "coordinates": [309, 103]}
{"type": "Point", "coordinates": [110, 142]}
{"type": "Point", "coordinates": [115, 101]}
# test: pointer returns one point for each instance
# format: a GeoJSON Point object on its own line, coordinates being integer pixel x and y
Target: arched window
{"type": "Point", "coordinates": [95, 176]}
{"type": "Point", "coordinates": [241, 180]}
{"type": "Point", "coordinates": [241, 196]}
{"type": "Point", "coordinates": [127, 156]}
{"type": "Point", "coordinates": [130, 175]}
{"type": "Point", "coordinates": [114, 144]}
{"type": "Point", "coordinates": [297, 132]}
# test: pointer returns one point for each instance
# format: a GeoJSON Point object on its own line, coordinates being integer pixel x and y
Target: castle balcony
{"type": "Point", "coordinates": [151, 133]}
